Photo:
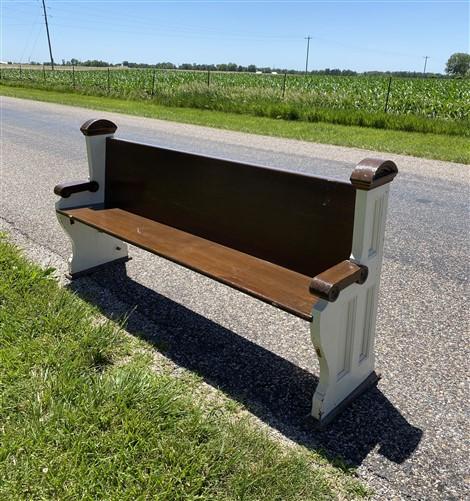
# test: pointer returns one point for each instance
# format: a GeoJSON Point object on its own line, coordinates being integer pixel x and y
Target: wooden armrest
{"type": "Point", "coordinates": [328, 284]}
{"type": "Point", "coordinates": [64, 190]}
{"type": "Point", "coordinates": [371, 173]}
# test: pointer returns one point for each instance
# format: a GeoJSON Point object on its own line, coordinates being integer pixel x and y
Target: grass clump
{"type": "Point", "coordinates": [83, 416]}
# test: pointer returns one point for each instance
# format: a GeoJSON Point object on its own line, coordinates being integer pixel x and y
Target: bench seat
{"type": "Point", "coordinates": [276, 285]}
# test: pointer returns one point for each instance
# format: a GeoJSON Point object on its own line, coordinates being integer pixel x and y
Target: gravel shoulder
{"type": "Point", "coordinates": [408, 436]}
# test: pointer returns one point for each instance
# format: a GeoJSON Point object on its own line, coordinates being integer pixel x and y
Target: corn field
{"type": "Point", "coordinates": [278, 96]}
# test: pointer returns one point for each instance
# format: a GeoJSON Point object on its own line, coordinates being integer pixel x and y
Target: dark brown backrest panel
{"type": "Point", "coordinates": [297, 221]}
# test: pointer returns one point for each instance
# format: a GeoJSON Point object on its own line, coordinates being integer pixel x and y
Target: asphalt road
{"type": "Point", "coordinates": [408, 436]}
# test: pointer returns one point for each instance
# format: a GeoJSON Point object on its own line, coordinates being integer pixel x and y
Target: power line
{"type": "Point", "coordinates": [112, 20]}
{"type": "Point", "coordinates": [34, 44]}
{"type": "Point", "coordinates": [308, 38]}
{"type": "Point", "coordinates": [86, 20]}
{"type": "Point", "coordinates": [48, 36]}
{"type": "Point", "coordinates": [30, 35]}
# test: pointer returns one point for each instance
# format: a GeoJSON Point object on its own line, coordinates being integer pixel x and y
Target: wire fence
{"type": "Point", "coordinates": [433, 98]}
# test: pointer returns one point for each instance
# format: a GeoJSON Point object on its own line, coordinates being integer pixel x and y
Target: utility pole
{"type": "Point", "coordinates": [425, 63]}
{"type": "Point", "coordinates": [48, 36]}
{"type": "Point", "coordinates": [308, 48]}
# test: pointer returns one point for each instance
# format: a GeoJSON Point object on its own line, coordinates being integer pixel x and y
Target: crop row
{"type": "Point", "coordinates": [431, 98]}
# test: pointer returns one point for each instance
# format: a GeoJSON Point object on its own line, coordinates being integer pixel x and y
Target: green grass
{"type": "Point", "coordinates": [436, 146]}
{"type": "Point", "coordinates": [84, 416]}
{"type": "Point", "coordinates": [439, 106]}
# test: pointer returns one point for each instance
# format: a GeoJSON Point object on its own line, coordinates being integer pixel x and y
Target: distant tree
{"type": "Point", "coordinates": [95, 63]}
{"type": "Point", "coordinates": [458, 64]}
{"type": "Point", "coordinates": [166, 66]}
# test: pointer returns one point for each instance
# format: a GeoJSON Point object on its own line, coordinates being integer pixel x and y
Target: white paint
{"type": "Point", "coordinates": [343, 332]}
{"type": "Point", "coordinates": [90, 247]}
{"type": "Point", "coordinates": [96, 152]}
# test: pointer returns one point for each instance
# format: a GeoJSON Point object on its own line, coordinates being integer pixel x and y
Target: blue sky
{"type": "Point", "coordinates": [360, 35]}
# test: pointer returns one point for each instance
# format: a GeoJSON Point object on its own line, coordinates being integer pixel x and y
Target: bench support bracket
{"type": "Point", "coordinates": [343, 332]}
{"type": "Point", "coordinates": [90, 248]}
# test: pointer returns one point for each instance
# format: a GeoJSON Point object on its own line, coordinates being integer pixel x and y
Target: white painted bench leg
{"type": "Point", "coordinates": [343, 332]}
{"type": "Point", "coordinates": [90, 248]}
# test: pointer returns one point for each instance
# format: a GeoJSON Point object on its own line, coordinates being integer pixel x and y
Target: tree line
{"type": "Point", "coordinates": [458, 65]}
{"type": "Point", "coordinates": [242, 69]}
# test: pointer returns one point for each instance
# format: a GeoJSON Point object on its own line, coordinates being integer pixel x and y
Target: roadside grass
{"type": "Point", "coordinates": [246, 100]}
{"type": "Point", "coordinates": [84, 416]}
{"type": "Point", "coordinates": [427, 145]}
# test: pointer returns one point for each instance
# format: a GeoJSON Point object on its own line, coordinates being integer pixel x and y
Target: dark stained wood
{"type": "Point", "coordinates": [64, 190]}
{"type": "Point", "coordinates": [328, 284]}
{"type": "Point", "coordinates": [97, 127]}
{"type": "Point", "coordinates": [373, 172]}
{"type": "Point", "coordinates": [297, 221]}
{"type": "Point", "coordinates": [269, 282]}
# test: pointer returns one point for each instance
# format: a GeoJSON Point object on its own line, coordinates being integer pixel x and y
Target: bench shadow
{"type": "Point", "coordinates": [272, 388]}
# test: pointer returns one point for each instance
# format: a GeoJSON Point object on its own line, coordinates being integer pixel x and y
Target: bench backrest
{"type": "Point", "coordinates": [298, 221]}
